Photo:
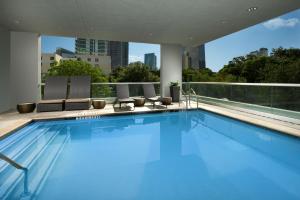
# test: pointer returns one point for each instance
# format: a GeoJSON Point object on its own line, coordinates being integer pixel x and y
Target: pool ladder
{"type": "Point", "coordinates": [191, 92]}
{"type": "Point", "coordinates": [18, 166]}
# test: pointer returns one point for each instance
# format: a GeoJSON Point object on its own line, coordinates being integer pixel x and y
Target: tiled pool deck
{"type": "Point", "coordinates": [11, 121]}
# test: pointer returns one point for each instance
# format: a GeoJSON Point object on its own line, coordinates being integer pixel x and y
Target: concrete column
{"type": "Point", "coordinates": [4, 69]}
{"type": "Point", "coordinates": [25, 67]}
{"type": "Point", "coordinates": [171, 67]}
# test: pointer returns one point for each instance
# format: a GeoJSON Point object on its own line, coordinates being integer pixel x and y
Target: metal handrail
{"type": "Point", "coordinates": [195, 94]}
{"type": "Point", "coordinates": [17, 166]}
{"type": "Point", "coordinates": [246, 84]}
{"type": "Point", "coordinates": [186, 100]}
{"type": "Point", "coordinates": [203, 83]}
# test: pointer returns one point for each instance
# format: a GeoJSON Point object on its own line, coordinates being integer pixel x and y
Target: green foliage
{"type": "Point", "coordinates": [135, 72]}
{"type": "Point", "coordinates": [175, 83]}
{"type": "Point", "coordinates": [78, 68]}
{"type": "Point", "coordinates": [282, 66]}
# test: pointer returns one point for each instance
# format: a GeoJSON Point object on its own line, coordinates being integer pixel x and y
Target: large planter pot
{"type": "Point", "coordinates": [175, 93]}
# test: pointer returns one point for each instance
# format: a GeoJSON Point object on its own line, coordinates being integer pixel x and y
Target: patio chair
{"type": "Point", "coordinates": [80, 93]}
{"type": "Point", "coordinates": [123, 94]}
{"type": "Point", "coordinates": [55, 93]}
{"type": "Point", "coordinates": [150, 95]}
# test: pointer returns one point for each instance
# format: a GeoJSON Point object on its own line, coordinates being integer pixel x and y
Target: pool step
{"type": "Point", "coordinates": [18, 149]}
{"type": "Point", "coordinates": [38, 157]}
{"type": "Point", "coordinates": [17, 136]}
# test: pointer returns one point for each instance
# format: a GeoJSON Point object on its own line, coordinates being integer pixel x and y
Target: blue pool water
{"type": "Point", "coordinates": [163, 156]}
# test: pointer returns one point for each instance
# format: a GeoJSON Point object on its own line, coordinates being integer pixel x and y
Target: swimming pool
{"type": "Point", "coordinates": [161, 156]}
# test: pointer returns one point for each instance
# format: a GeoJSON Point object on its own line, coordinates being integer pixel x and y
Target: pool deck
{"type": "Point", "coordinates": [11, 121]}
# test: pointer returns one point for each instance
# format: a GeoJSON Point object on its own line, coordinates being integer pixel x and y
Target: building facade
{"type": "Point", "coordinates": [91, 46]}
{"type": "Point", "coordinates": [118, 51]}
{"type": "Point", "coordinates": [101, 61]}
{"type": "Point", "coordinates": [260, 52]}
{"type": "Point", "coordinates": [194, 57]}
{"type": "Point", "coordinates": [150, 60]}
{"type": "Point", "coordinates": [48, 60]}
{"type": "Point", "coordinates": [119, 54]}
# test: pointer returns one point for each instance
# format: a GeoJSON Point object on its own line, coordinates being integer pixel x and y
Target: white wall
{"type": "Point", "coordinates": [4, 69]}
{"type": "Point", "coordinates": [25, 66]}
{"type": "Point", "coordinates": [171, 67]}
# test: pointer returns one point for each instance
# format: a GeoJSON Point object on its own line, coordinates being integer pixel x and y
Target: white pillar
{"type": "Point", "coordinates": [4, 69]}
{"type": "Point", "coordinates": [171, 67]}
{"type": "Point", "coordinates": [25, 67]}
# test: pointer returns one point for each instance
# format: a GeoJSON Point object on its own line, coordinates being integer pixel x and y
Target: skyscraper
{"type": "Point", "coordinates": [150, 60]}
{"type": "Point", "coordinates": [91, 46]}
{"type": "Point", "coordinates": [194, 57]}
{"type": "Point", "coordinates": [119, 53]}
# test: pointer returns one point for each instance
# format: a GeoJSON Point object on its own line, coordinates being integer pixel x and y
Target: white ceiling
{"type": "Point", "coordinates": [186, 22]}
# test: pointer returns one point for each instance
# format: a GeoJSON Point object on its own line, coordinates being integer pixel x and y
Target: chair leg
{"type": "Point", "coordinates": [120, 105]}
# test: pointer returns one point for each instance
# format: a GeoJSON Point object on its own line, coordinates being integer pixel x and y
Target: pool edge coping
{"type": "Point", "coordinates": [246, 119]}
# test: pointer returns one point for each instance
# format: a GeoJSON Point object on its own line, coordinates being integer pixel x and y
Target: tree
{"type": "Point", "coordinates": [135, 72]}
{"type": "Point", "coordinates": [78, 68]}
{"type": "Point", "coordinates": [282, 66]}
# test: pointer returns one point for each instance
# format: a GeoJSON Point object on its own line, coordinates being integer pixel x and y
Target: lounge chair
{"type": "Point", "coordinates": [55, 93]}
{"type": "Point", "coordinates": [123, 94]}
{"type": "Point", "coordinates": [149, 94]}
{"type": "Point", "coordinates": [80, 93]}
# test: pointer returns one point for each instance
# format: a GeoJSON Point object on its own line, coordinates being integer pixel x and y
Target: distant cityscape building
{"type": "Point", "coordinates": [260, 52]}
{"type": "Point", "coordinates": [50, 59]}
{"type": "Point", "coordinates": [150, 60]}
{"type": "Point", "coordinates": [194, 57]}
{"type": "Point", "coordinates": [91, 46]}
{"type": "Point", "coordinates": [119, 53]}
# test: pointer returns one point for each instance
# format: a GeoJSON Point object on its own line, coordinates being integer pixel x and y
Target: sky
{"type": "Point", "coordinates": [282, 31]}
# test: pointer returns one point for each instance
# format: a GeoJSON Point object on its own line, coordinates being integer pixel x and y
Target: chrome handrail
{"type": "Point", "coordinates": [203, 83]}
{"type": "Point", "coordinates": [246, 84]}
{"type": "Point", "coordinates": [195, 94]}
{"type": "Point", "coordinates": [17, 166]}
{"type": "Point", "coordinates": [186, 100]}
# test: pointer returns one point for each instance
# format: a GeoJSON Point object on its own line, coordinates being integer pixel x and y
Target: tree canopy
{"type": "Point", "coordinates": [76, 68]}
{"type": "Point", "coordinates": [282, 66]}
{"type": "Point", "coordinates": [135, 72]}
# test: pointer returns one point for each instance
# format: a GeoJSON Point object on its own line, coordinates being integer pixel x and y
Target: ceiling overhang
{"type": "Point", "coordinates": [189, 22]}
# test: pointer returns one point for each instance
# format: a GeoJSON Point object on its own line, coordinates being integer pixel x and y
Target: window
{"type": "Point", "coordinates": [52, 58]}
{"type": "Point", "coordinates": [89, 59]}
{"type": "Point", "coordinates": [96, 59]}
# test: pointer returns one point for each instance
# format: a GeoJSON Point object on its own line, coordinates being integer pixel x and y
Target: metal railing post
{"type": "Point", "coordinates": [18, 166]}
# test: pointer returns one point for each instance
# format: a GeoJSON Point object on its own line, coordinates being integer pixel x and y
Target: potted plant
{"type": "Point", "coordinates": [175, 91]}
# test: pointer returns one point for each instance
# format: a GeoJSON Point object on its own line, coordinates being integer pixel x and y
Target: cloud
{"type": "Point", "coordinates": [134, 58]}
{"type": "Point", "coordinates": [281, 23]}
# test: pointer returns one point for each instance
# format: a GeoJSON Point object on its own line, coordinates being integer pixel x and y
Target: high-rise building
{"type": "Point", "coordinates": [65, 53]}
{"type": "Point", "coordinates": [260, 52]}
{"type": "Point", "coordinates": [119, 53]}
{"type": "Point", "coordinates": [91, 46]}
{"type": "Point", "coordinates": [150, 60]}
{"type": "Point", "coordinates": [194, 57]}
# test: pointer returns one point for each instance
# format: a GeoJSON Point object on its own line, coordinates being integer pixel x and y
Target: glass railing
{"type": "Point", "coordinates": [108, 91]}
{"type": "Point", "coordinates": [280, 99]}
